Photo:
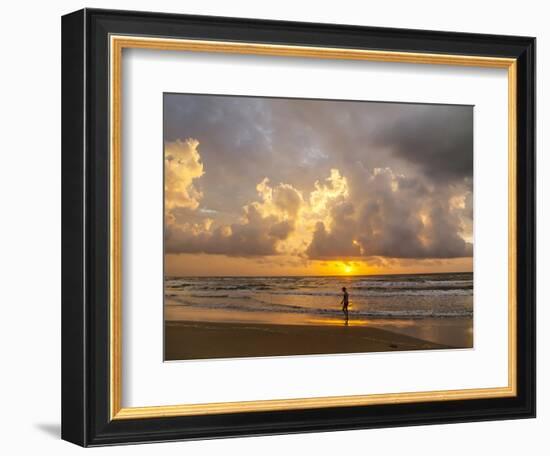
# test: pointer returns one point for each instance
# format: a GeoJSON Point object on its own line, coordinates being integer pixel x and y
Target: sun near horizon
{"type": "Point", "coordinates": [213, 265]}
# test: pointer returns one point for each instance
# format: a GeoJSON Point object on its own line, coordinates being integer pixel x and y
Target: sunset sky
{"type": "Point", "coordinates": [265, 186]}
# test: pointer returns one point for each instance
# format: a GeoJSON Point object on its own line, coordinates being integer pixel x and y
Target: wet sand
{"type": "Point", "coordinates": [205, 340]}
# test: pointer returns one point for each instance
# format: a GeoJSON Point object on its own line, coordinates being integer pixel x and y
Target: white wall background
{"type": "Point", "coordinates": [30, 194]}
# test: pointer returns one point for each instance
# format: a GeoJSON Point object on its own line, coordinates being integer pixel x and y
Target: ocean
{"type": "Point", "coordinates": [316, 299]}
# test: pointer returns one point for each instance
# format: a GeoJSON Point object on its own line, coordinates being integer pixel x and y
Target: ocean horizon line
{"type": "Point", "coordinates": [317, 275]}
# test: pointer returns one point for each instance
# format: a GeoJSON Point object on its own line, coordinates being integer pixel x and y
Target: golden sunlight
{"type": "Point", "coordinates": [348, 268]}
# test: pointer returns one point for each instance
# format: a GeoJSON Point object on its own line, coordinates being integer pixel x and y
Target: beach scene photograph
{"type": "Point", "coordinates": [300, 227]}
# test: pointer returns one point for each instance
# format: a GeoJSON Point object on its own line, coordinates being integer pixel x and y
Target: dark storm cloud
{"type": "Point", "coordinates": [439, 139]}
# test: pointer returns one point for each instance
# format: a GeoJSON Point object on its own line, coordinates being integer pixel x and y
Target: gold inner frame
{"type": "Point", "coordinates": [117, 44]}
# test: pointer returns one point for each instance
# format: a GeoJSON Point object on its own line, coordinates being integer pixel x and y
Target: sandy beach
{"type": "Point", "coordinates": [206, 340]}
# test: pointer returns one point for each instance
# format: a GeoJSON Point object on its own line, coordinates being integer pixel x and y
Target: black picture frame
{"type": "Point", "coordinates": [85, 228]}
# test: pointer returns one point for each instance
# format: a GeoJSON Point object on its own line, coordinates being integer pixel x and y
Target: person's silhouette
{"type": "Point", "coordinates": [345, 304]}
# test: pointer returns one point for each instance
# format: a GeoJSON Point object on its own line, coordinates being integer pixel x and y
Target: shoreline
{"type": "Point", "coordinates": [185, 340]}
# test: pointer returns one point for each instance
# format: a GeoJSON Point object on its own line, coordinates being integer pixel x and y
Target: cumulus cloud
{"type": "Point", "coordinates": [326, 194]}
{"type": "Point", "coordinates": [263, 224]}
{"type": "Point", "coordinates": [182, 165]}
{"type": "Point", "coordinates": [255, 235]}
{"type": "Point", "coordinates": [394, 216]}
{"type": "Point", "coordinates": [279, 221]}
{"type": "Point", "coordinates": [338, 241]}
{"type": "Point", "coordinates": [283, 201]}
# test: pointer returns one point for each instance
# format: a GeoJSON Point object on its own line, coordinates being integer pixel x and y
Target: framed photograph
{"type": "Point", "coordinates": [278, 227]}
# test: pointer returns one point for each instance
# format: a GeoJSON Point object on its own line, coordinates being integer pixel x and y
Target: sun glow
{"type": "Point", "coordinates": [345, 268]}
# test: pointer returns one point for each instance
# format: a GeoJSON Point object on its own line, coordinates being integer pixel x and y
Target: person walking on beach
{"type": "Point", "coordinates": [345, 304]}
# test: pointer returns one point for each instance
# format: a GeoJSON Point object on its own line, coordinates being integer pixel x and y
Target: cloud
{"type": "Point", "coordinates": [394, 217]}
{"type": "Point", "coordinates": [324, 195]}
{"type": "Point", "coordinates": [262, 226]}
{"type": "Point", "coordinates": [283, 201]}
{"type": "Point", "coordinates": [280, 221]}
{"type": "Point", "coordinates": [338, 242]}
{"type": "Point", "coordinates": [437, 139]}
{"type": "Point", "coordinates": [309, 179]}
{"type": "Point", "coordinates": [255, 235]}
{"type": "Point", "coordinates": [182, 165]}
{"type": "Point", "coordinates": [379, 214]}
